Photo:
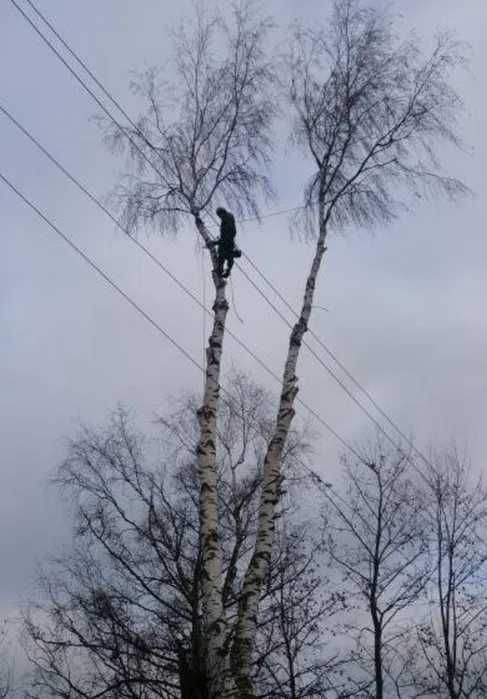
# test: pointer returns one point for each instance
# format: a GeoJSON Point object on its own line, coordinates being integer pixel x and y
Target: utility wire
{"type": "Point", "coordinates": [269, 214]}
{"type": "Point", "coordinates": [330, 353]}
{"type": "Point", "coordinates": [109, 95]}
{"type": "Point", "coordinates": [154, 323]}
{"type": "Point", "coordinates": [322, 363]}
{"type": "Point", "coordinates": [336, 359]}
{"type": "Point", "coordinates": [143, 154]}
{"type": "Point", "coordinates": [79, 60]}
{"type": "Point", "coordinates": [261, 274]}
{"type": "Point", "coordinates": [135, 241]}
{"type": "Point", "coordinates": [86, 88]}
{"type": "Point", "coordinates": [98, 269]}
{"type": "Point", "coordinates": [172, 276]}
{"type": "Point", "coordinates": [182, 286]}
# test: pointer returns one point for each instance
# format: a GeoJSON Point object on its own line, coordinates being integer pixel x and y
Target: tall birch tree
{"type": "Point", "coordinates": [370, 111]}
{"type": "Point", "coordinates": [204, 140]}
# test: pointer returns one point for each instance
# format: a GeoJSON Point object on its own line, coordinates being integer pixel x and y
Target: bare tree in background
{"type": "Point", "coordinates": [377, 545]}
{"type": "Point", "coordinates": [206, 133]}
{"type": "Point", "coordinates": [122, 615]}
{"type": "Point", "coordinates": [370, 112]}
{"type": "Point", "coordinates": [454, 639]}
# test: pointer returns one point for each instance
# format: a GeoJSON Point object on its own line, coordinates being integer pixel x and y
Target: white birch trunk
{"type": "Point", "coordinates": [211, 567]}
{"type": "Point", "coordinates": [258, 569]}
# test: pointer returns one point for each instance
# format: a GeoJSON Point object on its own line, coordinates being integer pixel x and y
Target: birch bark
{"type": "Point", "coordinates": [214, 623]}
{"type": "Point", "coordinates": [258, 569]}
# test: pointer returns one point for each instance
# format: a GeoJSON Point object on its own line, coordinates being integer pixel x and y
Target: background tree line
{"type": "Point", "coordinates": [376, 588]}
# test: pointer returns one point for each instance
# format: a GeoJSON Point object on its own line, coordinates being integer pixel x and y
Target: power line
{"type": "Point", "coordinates": [98, 269]}
{"type": "Point", "coordinates": [154, 323]}
{"type": "Point", "coordinates": [135, 241]}
{"type": "Point", "coordinates": [82, 63]}
{"type": "Point", "coordinates": [173, 277]}
{"type": "Point", "coordinates": [320, 361]}
{"type": "Point", "coordinates": [112, 99]}
{"type": "Point", "coordinates": [330, 353]}
{"type": "Point", "coordinates": [120, 127]}
{"type": "Point", "coordinates": [335, 358]}
{"type": "Point", "coordinates": [264, 296]}
{"type": "Point", "coordinates": [85, 86]}
{"type": "Point", "coordinates": [269, 214]}
{"type": "Point", "coordinates": [182, 286]}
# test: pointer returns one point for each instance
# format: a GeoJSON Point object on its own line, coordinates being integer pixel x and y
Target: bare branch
{"type": "Point", "coordinates": [371, 112]}
{"type": "Point", "coordinates": [205, 134]}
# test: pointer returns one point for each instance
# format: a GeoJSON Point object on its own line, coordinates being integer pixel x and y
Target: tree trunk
{"type": "Point", "coordinates": [214, 626]}
{"type": "Point", "coordinates": [192, 682]}
{"type": "Point", "coordinates": [258, 569]}
{"type": "Point", "coordinates": [374, 610]}
{"type": "Point", "coordinates": [379, 675]}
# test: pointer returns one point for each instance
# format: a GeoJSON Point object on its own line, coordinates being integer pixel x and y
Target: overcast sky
{"type": "Point", "coordinates": [406, 305]}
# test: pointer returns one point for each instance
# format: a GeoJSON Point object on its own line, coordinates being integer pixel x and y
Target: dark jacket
{"type": "Point", "coordinates": [228, 231]}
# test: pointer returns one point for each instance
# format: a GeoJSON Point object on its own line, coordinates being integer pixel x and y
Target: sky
{"type": "Point", "coordinates": [405, 305]}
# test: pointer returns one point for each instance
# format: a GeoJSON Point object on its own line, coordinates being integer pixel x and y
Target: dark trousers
{"type": "Point", "coordinates": [224, 253]}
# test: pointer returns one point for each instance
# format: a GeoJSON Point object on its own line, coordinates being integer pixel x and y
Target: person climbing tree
{"type": "Point", "coordinates": [226, 242]}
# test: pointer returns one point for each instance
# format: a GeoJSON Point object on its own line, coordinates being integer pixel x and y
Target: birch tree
{"type": "Point", "coordinates": [454, 637]}
{"type": "Point", "coordinates": [120, 615]}
{"type": "Point", "coordinates": [370, 112]}
{"type": "Point", "coordinates": [203, 140]}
